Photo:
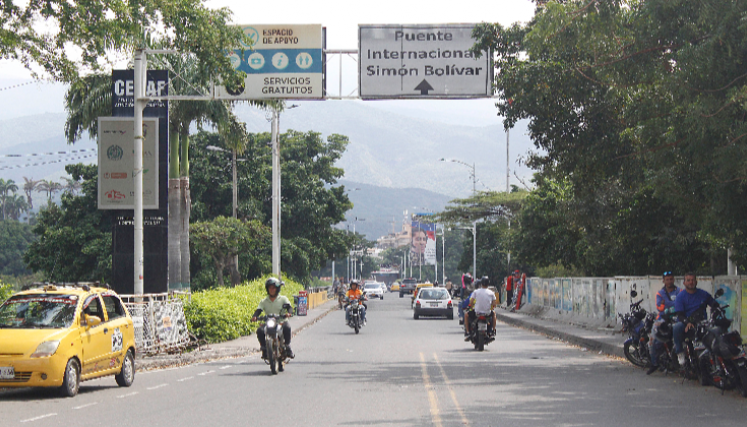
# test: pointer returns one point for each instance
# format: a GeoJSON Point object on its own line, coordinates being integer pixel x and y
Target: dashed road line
{"type": "Point", "coordinates": [39, 417]}
{"type": "Point", "coordinates": [465, 421]}
{"type": "Point", "coordinates": [432, 398]}
{"type": "Point", "coordinates": [86, 405]}
{"type": "Point", "coordinates": [205, 373]}
{"type": "Point", "coordinates": [185, 379]}
{"type": "Point", "coordinates": [157, 386]}
{"type": "Point", "coordinates": [225, 367]}
{"type": "Point", "coordinates": [127, 395]}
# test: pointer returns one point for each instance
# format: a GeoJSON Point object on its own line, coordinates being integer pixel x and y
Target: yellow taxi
{"type": "Point", "coordinates": [417, 289]}
{"type": "Point", "coordinates": [59, 335]}
{"type": "Point", "coordinates": [395, 287]}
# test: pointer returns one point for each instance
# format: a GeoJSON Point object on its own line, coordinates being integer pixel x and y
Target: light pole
{"type": "Point", "coordinates": [473, 229]}
{"type": "Point", "coordinates": [235, 177]}
{"type": "Point", "coordinates": [473, 175]}
{"type": "Point", "coordinates": [276, 208]}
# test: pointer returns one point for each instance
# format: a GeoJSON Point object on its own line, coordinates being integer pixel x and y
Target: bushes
{"type": "Point", "coordinates": [224, 314]}
{"type": "Point", "coordinates": [6, 290]}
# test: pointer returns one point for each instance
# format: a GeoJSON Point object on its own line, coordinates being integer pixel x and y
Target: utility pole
{"type": "Point", "coordinates": [137, 173]}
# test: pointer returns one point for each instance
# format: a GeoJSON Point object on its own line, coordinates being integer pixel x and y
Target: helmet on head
{"type": "Point", "coordinates": [355, 282]}
{"type": "Point", "coordinates": [273, 281]}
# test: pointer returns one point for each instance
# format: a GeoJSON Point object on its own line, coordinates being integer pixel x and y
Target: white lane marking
{"type": "Point", "coordinates": [432, 398]}
{"type": "Point", "coordinates": [225, 367]}
{"type": "Point", "coordinates": [127, 395]}
{"type": "Point", "coordinates": [465, 421]}
{"type": "Point", "coordinates": [185, 379]}
{"type": "Point", "coordinates": [205, 373]}
{"type": "Point", "coordinates": [86, 405]}
{"type": "Point", "coordinates": [39, 417]}
{"type": "Point", "coordinates": [157, 386]}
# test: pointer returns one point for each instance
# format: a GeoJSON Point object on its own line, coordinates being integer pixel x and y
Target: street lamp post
{"type": "Point", "coordinates": [234, 160]}
{"type": "Point", "coordinates": [473, 175]}
{"type": "Point", "coordinates": [473, 229]}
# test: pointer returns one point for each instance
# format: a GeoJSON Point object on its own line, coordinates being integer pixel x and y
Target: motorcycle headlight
{"type": "Point", "coordinates": [46, 349]}
{"type": "Point", "coordinates": [271, 323]}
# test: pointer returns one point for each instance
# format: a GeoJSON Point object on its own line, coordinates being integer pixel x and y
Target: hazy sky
{"type": "Point", "coordinates": [341, 18]}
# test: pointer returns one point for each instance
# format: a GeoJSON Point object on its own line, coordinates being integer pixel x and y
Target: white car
{"type": "Point", "coordinates": [373, 290]}
{"type": "Point", "coordinates": [433, 302]}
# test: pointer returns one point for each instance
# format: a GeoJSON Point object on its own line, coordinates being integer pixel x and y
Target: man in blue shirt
{"type": "Point", "coordinates": [686, 304]}
{"type": "Point", "coordinates": [665, 299]}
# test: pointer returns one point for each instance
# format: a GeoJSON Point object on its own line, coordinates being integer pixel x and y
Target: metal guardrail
{"type": "Point", "coordinates": [160, 324]}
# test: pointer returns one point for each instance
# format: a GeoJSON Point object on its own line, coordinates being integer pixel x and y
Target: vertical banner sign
{"type": "Point", "coordinates": [284, 62]}
{"type": "Point", "coordinates": [116, 148]}
{"type": "Point", "coordinates": [423, 246]}
{"type": "Point", "coordinates": [116, 163]}
{"type": "Point", "coordinates": [421, 61]}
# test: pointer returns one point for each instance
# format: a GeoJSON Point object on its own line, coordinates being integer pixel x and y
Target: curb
{"type": "Point", "coordinates": [591, 344]}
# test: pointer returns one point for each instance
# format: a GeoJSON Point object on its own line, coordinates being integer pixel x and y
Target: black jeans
{"type": "Point", "coordinates": [286, 334]}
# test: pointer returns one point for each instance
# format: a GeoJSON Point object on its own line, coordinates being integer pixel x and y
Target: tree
{"type": "Point", "coordinates": [640, 107]}
{"type": "Point", "coordinates": [74, 239]}
{"type": "Point", "coordinates": [100, 27]}
{"type": "Point", "coordinates": [50, 187]}
{"type": "Point", "coordinates": [222, 239]}
{"type": "Point", "coordinates": [29, 186]}
{"type": "Point", "coordinates": [15, 205]}
{"type": "Point", "coordinates": [71, 186]}
{"type": "Point", "coordinates": [6, 187]}
{"type": "Point", "coordinates": [15, 238]}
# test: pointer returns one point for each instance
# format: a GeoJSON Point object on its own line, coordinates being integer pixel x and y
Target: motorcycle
{"type": "Point", "coordinates": [635, 324]}
{"type": "Point", "coordinates": [356, 314]}
{"type": "Point", "coordinates": [480, 333]}
{"type": "Point", "coordinates": [275, 342]}
{"type": "Point", "coordinates": [722, 358]}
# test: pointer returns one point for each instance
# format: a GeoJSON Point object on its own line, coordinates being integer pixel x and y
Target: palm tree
{"type": "Point", "coordinates": [16, 205]}
{"type": "Point", "coordinates": [50, 187]}
{"type": "Point", "coordinates": [29, 186]}
{"type": "Point", "coordinates": [6, 187]}
{"type": "Point", "coordinates": [71, 186]}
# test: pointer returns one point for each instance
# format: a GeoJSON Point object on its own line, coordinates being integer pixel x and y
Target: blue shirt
{"type": "Point", "coordinates": [665, 300]}
{"type": "Point", "coordinates": [687, 303]}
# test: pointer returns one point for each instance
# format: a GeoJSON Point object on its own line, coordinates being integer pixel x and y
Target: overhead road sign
{"type": "Point", "coordinates": [285, 62]}
{"type": "Point", "coordinates": [421, 62]}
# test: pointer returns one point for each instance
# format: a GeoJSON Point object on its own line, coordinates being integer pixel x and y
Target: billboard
{"type": "Point", "coordinates": [423, 243]}
{"type": "Point", "coordinates": [284, 62]}
{"type": "Point", "coordinates": [117, 160]}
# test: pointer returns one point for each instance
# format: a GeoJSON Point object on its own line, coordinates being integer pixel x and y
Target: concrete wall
{"type": "Point", "coordinates": [598, 300]}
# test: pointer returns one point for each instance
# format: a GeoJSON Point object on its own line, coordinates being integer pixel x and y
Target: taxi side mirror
{"type": "Point", "coordinates": [91, 321]}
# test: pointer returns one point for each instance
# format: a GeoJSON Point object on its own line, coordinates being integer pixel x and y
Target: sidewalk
{"type": "Point", "coordinates": [240, 347]}
{"type": "Point", "coordinates": [599, 339]}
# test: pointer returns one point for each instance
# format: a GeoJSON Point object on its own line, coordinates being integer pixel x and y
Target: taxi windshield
{"type": "Point", "coordinates": [43, 311]}
{"type": "Point", "coordinates": [372, 286]}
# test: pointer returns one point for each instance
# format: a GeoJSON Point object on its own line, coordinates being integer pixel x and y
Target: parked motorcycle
{"type": "Point", "coordinates": [356, 314]}
{"type": "Point", "coordinates": [275, 342]}
{"type": "Point", "coordinates": [480, 333]}
{"type": "Point", "coordinates": [635, 324]}
{"type": "Point", "coordinates": [722, 358]}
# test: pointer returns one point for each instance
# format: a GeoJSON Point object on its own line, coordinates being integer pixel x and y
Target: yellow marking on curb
{"type": "Point", "coordinates": [465, 421]}
{"type": "Point", "coordinates": [432, 398]}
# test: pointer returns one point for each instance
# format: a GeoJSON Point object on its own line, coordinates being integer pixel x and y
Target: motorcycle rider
{"type": "Point", "coordinates": [482, 302]}
{"type": "Point", "coordinates": [665, 299]}
{"type": "Point", "coordinates": [686, 304]}
{"type": "Point", "coordinates": [274, 303]}
{"type": "Point", "coordinates": [355, 293]}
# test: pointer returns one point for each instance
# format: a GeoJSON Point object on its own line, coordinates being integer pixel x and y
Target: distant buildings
{"type": "Point", "coordinates": [396, 240]}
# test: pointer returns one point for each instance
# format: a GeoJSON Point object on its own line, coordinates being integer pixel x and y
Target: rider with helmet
{"type": "Point", "coordinates": [665, 299]}
{"type": "Point", "coordinates": [355, 293]}
{"type": "Point", "coordinates": [482, 302]}
{"type": "Point", "coordinates": [275, 304]}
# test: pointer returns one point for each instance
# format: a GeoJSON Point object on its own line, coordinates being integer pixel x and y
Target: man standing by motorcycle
{"type": "Point", "coordinates": [510, 284]}
{"type": "Point", "coordinates": [686, 304]}
{"type": "Point", "coordinates": [482, 302]}
{"type": "Point", "coordinates": [275, 304]}
{"type": "Point", "coordinates": [353, 294]}
{"type": "Point", "coordinates": [665, 299]}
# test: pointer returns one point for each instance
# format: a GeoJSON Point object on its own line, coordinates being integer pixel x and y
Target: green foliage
{"type": "Point", "coordinates": [15, 238]}
{"type": "Point", "coordinates": [6, 290]}
{"type": "Point", "coordinates": [74, 239]}
{"type": "Point", "coordinates": [639, 109]}
{"type": "Point", "coordinates": [223, 314]}
{"type": "Point", "coordinates": [558, 270]}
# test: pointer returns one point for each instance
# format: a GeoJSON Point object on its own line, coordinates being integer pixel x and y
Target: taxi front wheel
{"type": "Point", "coordinates": [71, 380]}
{"type": "Point", "coordinates": [126, 376]}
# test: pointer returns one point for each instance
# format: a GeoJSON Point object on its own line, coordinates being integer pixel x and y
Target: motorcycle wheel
{"type": "Point", "coordinates": [280, 366]}
{"type": "Point", "coordinates": [631, 353]}
{"type": "Point", "coordinates": [705, 374]}
{"type": "Point", "coordinates": [480, 342]}
{"type": "Point", "coordinates": [271, 358]}
{"type": "Point", "coordinates": [742, 380]}
{"type": "Point", "coordinates": [357, 326]}
{"type": "Point", "coordinates": [692, 367]}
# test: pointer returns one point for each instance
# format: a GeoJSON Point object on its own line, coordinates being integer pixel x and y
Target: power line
{"type": "Point", "coordinates": [63, 160]}
{"type": "Point", "coordinates": [50, 153]}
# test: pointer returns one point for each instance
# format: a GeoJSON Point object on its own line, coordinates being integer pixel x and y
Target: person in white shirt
{"type": "Point", "coordinates": [482, 301]}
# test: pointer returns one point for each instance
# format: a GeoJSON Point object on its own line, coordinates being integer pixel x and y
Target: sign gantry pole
{"type": "Point", "coordinates": [137, 173]}
{"type": "Point", "coordinates": [275, 196]}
